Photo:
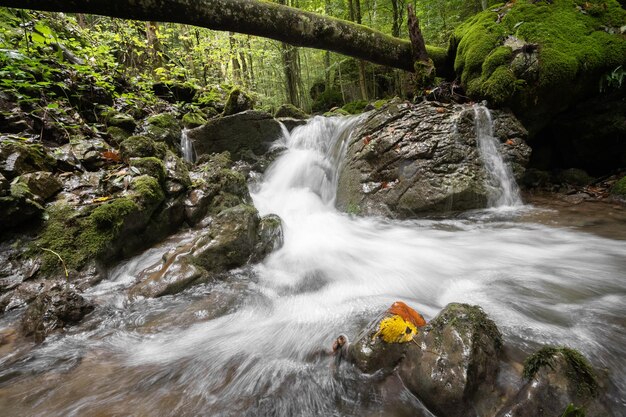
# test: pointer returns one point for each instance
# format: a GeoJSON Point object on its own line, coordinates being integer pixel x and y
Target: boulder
{"type": "Point", "coordinates": [19, 207]}
{"type": "Point", "coordinates": [290, 111]}
{"type": "Point", "coordinates": [90, 153]}
{"type": "Point", "coordinates": [164, 128]}
{"type": "Point", "coordinates": [176, 174]}
{"type": "Point", "coordinates": [270, 236]}
{"type": "Point", "coordinates": [19, 157]}
{"type": "Point", "coordinates": [238, 101]}
{"type": "Point", "coordinates": [194, 118]}
{"type": "Point", "coordinates": [247, 131]}
{"type": "Point", "coordinates": [230, 241]}
{"type": "Point", "coordinates": [122, 121]}
{"type": "Point", "coordinates": [56, 308]}
{"type": "Point", "coordinates": [455, 357]}
{"type": "Point", "coordinates": [560, 382]}
{"type": "Point", "coordinates": [383, 343]}
{"type": "Point", "coordinates": [43, 184]}
{"type": "Point", "coordinates": [405, 160]}
{"type": "Point", "coordinates": [141, 146]}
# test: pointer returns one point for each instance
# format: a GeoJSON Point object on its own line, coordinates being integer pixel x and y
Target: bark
{"type": "Point", "coordinates": [233, 59]}
{"type": "Point", "coordinates": [252, 17]}
{"type": "Point", "coordinates": [417, 40]}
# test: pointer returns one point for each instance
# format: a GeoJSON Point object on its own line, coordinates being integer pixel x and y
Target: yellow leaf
{"type": "Point", "coordinates": [395, 329]}
{"type": "Point", "coordinates": [101, 199]}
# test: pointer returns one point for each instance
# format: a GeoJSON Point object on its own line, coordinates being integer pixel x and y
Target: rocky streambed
{"type": "Point", "coordinates": [189, 294]}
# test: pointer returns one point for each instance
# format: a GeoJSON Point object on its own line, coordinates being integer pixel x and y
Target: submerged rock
{"type": "Point", "coordinates": [270, 236]}
{"type": "Point", "coordinates": [251, 130]}
{"type": "Point", "coordinates": [405, 160]}
{"type": "Point", "coordinates": [56, 308]}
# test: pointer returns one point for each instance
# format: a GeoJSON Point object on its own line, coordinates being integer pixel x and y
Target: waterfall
{"type": "Point", "coordinates": [501, 185]}
{"type": "Point", "coordinates": [186, 146]}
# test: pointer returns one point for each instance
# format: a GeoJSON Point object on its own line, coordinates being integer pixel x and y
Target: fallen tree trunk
{"type": "Point", "coordinates": [252, 17]}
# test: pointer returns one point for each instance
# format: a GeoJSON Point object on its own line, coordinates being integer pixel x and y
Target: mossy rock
{"type": "Point", "coordinates": [121, 120]}
{"type": "Point", "coordinates": [164, 128]}
{"type": "Point", "coordinates": [194, 119]}
{"type": "Point", "coordinates": [148, 191]}
{"type": "Point", "coordinates": [619, 188]}
{"type": "Point", "coordinates": [539, 57]}
{"type": "Point", "coordinates": [140, 146]}
{"type": "Point", "coordinates": [117, 135]}
{"type": "Point", "coordinates": [355, 107]}
{"type": "Point", "coordinates": [289, 110]}
{"type": "Point", "coordinates": [151, 166]}
{"type": "Point", "coordinates": [237, 102]}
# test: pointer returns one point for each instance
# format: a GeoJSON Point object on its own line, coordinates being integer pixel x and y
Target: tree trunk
{"type": "Point", "coordinates": [252, 17]}
{"type": "Point", "coordinates": [152, 39]}
{"type": "Point", "coordinates": [395, 25]}
{"type": "Point", "coordinates": [82, 22]}
{"type": "Point", "coordinates": [362, 83]}
{"type": "Point", "coordinates": [233, 59]}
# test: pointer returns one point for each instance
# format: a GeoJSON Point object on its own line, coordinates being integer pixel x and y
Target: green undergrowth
{"type": "Point", "coordinates": [570, 45]}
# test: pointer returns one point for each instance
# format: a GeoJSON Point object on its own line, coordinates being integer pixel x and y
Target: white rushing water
{"type": "Point", "coordinates": [503, 191]}
{"type": "Point", "coordinates": [251, 344]}
{"type": "Point", "coordinates": [186, 147]}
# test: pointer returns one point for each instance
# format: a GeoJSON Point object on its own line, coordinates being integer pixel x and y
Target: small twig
{"type": "Point", "coordinates": [67, 275]}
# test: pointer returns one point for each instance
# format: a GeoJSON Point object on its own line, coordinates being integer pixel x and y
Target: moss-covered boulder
{"type": "Point", "coordinates": [557, 379]}
{"type": "Point", "coordinates": [291, 111]}
{"type": "Point", "coordinates": [454, 361]}
{"type": "Point", "coordinates": [194, 119]}
{"type": "Point", "coordinates": [539, 57]}
{"type": "Point", "coordinates": [117, 135]}
{"type": "Point", "coordinates": [164, 127]}
{"type": "Point", "coordinates": [141, 146]}
{"type": "Point", "coordinates": [123, 121]}
{"type": "Point", "coordinates": [151, 166]}
{"type": "Point", "coordinates": [237, 102]}
{"type": "Point", "coordinates": [19, 206]}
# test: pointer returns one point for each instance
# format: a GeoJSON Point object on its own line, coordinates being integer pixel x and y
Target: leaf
{"type": "Point", "coordinates": [395, 329]}
{"type": "Point", "coordinates": [101, 199]}
{"type": "Point", "coordinates": [53, 106]}
{"type": "Point", "coordinates": [111, 156]}
{"type": "Point", "coordinates": [407, 313]}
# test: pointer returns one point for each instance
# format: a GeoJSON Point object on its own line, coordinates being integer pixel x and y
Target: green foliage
{"type": "Point", "coordinates": [327, 100]}
{"type": "Point", "coordinates": [572, 411]}
{"type": "Point", "coordinates": [355, 107]}
{"type": "Point", "coordinates": [619, 188]}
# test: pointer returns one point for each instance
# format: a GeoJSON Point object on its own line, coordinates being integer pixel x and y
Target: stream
{"type": "Point", "coordinates": [256, 342]}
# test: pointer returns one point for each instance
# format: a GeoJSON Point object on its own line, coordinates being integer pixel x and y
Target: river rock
{"type": "Point", "coordinates": [230, 240]}
{"type": "Point", "coordinates": [456, 356]}
{"type": "Point", "coordinates": [247, 131]}
{"type": "Point", "coordinates": [270, 236]}
{"type": "Point", "coordinates": [558, 379]}
{"type": "Point", "coordinates": [90, 153]}
{"type": "Point", "coordinates": [56, 308]}
{"type": "Point", "coordinates": [19, 207]}
{"type": "Point", "coordinates": [405, 160]}
{"type": "Point", "coordinates": [176, 174]}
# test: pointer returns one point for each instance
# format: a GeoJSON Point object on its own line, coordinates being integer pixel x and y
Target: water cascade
{"type": "Point", "coordinates": [186, 147]}
{"type": "Point", "coordinates": [253, 343]}
{"type": "Point", "coordinates": [500, 183]}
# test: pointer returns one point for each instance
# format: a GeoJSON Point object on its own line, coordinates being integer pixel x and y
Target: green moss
{"type": "Point", "coordinates": [117, 134]}
{"type": "Point", "coordinates": [355, 107]}
{"type": "Point", "coordinates": [137, 147]}
{"type": "Point", "coordinates": [289, 110]}
{"type": "Point", "coordinates": [163, 120]}
{"type": "Point", "coordinates": [150, 166]}
{"type": "Point", "coordinates": [237, 102]}
{"type": "Point", "coordinates": [111, 215]}
{"type": "Point", "coordinates": [570, 49]}
{"type": "Point", "coordinates": [579, 370]}
{"type": "Point", "coordinates": [328, 99]}
{"type": "Point", "coordinates": [147, 190]}
{"type": "Point", "coordinates": [438, 55]}
{"type": "Point", "coordinates": [353, 209]}
{"type": "Point", "coordinates": [20, 189]}
{"type": "Point", "coordinates": [619, 188]}
{"type": "Point", "coordinates": [194, 119]}
{"type": "Point", "coordinates": [473, 317]}
{"type": "Point", "coordinates": [500, 86]}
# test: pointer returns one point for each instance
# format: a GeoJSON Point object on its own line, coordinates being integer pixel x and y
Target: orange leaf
{"type": "Point", "coordinates": [440, 110]}
{"type": "Point", "coordinates": [367, 140]}
{"type": "Point", "coordinates": [111, 156]}
{"type": "Point", "coordinates": [509, 142]}
{"type": "Point", "coordinates": [407, 313]}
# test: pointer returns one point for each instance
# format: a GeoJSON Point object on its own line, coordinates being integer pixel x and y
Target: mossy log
{"type": "Point", "coordinates": [252, 17]}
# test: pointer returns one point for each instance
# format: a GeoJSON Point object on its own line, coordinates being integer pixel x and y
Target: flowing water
{"type": "Point", "coordinates": [255, 343]}
{"type": "Point", "coordinates": [503, 190]}
{"type": "Point", "coordinates": [186, 147]}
